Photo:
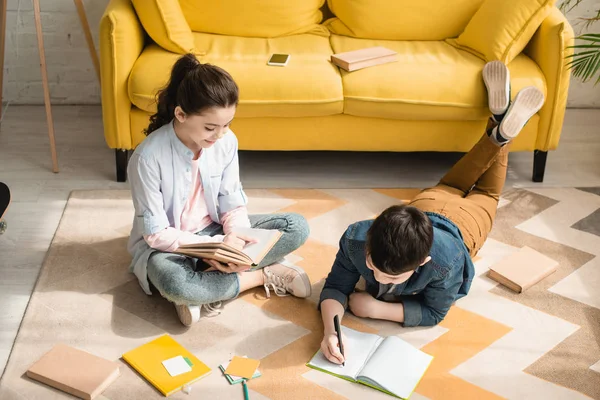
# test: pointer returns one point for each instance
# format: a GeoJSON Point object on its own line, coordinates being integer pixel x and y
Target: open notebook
{"type": "Point", "coordinates": [251, 255]}
{"type": "Point", "coordinates": [387, 364]}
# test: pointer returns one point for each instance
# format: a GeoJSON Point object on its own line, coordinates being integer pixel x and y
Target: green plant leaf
{"type": "Point", "coordinates": [586, 63]}
{"type": "Point", "coordinates": [590, 36]}
{"type": "Point", "coordinates": [581, 53]}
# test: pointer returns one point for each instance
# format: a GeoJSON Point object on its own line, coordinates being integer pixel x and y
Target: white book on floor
{"type": "Point", "coordinates": [388, 364]}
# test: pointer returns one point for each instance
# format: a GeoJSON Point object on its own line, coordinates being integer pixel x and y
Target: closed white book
{"type": "Point", "coordinates": [363, 58]}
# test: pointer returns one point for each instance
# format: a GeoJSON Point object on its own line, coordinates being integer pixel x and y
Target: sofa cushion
{"type": "Point", "coordinates": [401, 19]}
{"type": "Point", "coordinates": [254, 18]}
{"type": "Point", "coordinates": [308, 86]}
{"type": "Point", "coordinates": [501, 29]}
{"type": "Point", "coordinates": [430, 81]}
{"type": "Point", "coordinates": [164, 21]}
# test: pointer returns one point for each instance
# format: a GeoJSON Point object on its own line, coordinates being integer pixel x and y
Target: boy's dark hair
{"type": "Point", "coordinates": [194, 87]}
{"type": "Point", "coordinates": [399, 239]}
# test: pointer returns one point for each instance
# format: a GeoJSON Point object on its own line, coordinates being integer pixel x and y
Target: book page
{"type": "Point", "coordinates": [218, 255]}
{"type": "Point", "coordinates": [396, 367]}
{"type": "Point", "coordinates": [215, 251]}
{"type": "Point", "coordinates": [203, 246]}
{"type": "Point", "coordinates": [357, 348]}
{"type": "Point", "coordinates": [266, 239]}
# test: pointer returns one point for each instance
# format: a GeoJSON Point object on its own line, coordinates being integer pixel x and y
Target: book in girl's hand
{"type": "Point", "coordinates": [251, 255]}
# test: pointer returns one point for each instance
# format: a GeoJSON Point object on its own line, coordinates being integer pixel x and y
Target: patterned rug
{"type": "Point", "coordinates": [541, 344]}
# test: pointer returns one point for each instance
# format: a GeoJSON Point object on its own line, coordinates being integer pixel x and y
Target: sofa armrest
{"type": "Point", "coordinates": [121, 43]}
{"type": "Point", "coordinates": [549, 48]}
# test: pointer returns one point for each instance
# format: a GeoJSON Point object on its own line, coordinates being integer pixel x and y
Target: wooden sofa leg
{"type": "Point", "coordinates": [122, 159]}
{"type": "Point", "coordinates": [539, 165]}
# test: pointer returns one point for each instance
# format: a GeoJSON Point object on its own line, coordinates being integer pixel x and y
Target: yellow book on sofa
{"type": "Point", "coordinates": [149, 360]}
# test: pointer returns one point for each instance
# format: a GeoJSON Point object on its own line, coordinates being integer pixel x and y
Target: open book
{"type": "Point", "coordinates": [387, 364]}
{"type": "Point", "coordinates": [251, 255]}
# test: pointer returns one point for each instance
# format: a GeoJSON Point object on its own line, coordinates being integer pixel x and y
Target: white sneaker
{"type": "Point", "coordinates": [286, 280]}
{"type": "Point", "coordinates": [189, 315]}
{"type": "Point", "coordinates": [527, 103]}
{"type": "Point", "coordinates": [496, 77]}
{"type": "Point", "coordinates": [213, 309]}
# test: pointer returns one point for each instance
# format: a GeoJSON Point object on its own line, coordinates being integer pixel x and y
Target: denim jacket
{"type": "Point", "coordinates": [159, 173]}
{"type": "Point", "coordinates": [428, 294]}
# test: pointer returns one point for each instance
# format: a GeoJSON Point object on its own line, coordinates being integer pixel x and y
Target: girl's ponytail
{"type": "Point", "coordinates": [194, 87]}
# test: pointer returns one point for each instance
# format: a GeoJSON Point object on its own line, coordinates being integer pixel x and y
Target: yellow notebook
{"type": "Point", "coordinates": [148, 361]}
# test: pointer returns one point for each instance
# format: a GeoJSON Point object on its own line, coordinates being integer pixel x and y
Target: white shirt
{"type": "Point", "coordinates": [159, 173]}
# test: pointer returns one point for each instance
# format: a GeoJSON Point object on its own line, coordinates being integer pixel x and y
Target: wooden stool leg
{"type": "Point", "coordinates": [40, 38]}
{"type": "Point", "coordinates": [88, 35]}
{"type": "Point", "coordinates": [2, 42]}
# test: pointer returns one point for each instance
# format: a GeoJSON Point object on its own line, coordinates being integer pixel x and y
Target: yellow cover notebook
{"type": "Point", "coordinates": [148, 361]}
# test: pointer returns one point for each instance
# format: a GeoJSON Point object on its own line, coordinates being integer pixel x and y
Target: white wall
{"type": "Point", "coordinates": [70, 70]}
{"type": "Point", "coordinates": [71, 73]}
{"type": "Point", "coordinates": [584, 94]}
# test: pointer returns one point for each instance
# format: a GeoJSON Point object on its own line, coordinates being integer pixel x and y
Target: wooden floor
{"type": "Point", "coordinates": [85, 162]}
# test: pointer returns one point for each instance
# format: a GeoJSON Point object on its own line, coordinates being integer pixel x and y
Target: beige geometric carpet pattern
{"type": "Point", "coordinates": [493, 344]}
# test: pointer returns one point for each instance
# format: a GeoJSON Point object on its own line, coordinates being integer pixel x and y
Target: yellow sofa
{"type": "Point", "coordinates": [432, 99]}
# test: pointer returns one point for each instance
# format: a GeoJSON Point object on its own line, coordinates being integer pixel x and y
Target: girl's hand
{"type": "Point", "coordinates": [227, 269]}
{"type": "Point", "coordinates": [238, 241]}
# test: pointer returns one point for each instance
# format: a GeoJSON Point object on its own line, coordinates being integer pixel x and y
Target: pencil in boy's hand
{"type": "Point", "coordinates": [338, 330]}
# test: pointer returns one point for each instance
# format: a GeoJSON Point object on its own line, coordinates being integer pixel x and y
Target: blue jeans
{"type": "Point", "coordinates": [180, 281]}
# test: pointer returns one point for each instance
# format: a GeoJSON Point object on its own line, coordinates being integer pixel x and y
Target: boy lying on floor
{"type": "Point", "coordinates": [416, 258]}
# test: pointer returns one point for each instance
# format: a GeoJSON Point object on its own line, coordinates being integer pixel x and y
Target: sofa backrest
{"type": "Point", "coordinates": [401, 19]}
{"type": "Point", "coordinates": [254, 18]}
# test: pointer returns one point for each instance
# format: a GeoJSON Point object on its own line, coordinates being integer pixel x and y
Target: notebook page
{"type": "Point", "coordinates": [396, 366]}
{"type": "Point", "coordinates": [357, 348]}
{"type": "Point", "coordinates": [264, 236]}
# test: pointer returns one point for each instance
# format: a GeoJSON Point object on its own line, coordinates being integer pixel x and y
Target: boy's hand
{"type": "Point", "coordinates": [363, 305]}
{"type": "Point", "coordinates": [331, 349]}
{"type": "Point", "coordinates": [238, 241]}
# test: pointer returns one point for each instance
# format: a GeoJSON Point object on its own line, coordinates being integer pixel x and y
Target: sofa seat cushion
{"type": "Point", "coordinates": [308, 86]}
{"type": "Point", "coordinates": [430, 81]}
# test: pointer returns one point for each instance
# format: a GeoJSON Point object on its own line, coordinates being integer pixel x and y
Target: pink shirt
{"type": "Point", "coordinates": [194, 218]}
